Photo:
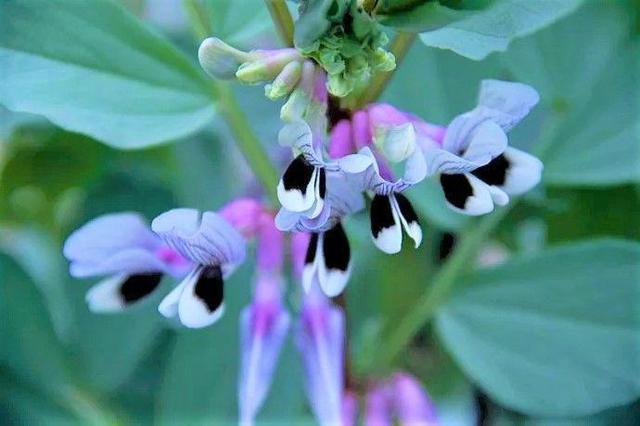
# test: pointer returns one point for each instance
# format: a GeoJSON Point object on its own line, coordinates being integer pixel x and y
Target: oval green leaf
{"type": "Point", "coordinates": [556, 334]}
{"type": "Point", "coordinates": [93, 68]}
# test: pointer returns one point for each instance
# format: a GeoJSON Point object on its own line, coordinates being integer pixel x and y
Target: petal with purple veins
{"type": "Point", "coordinates": [205, 239]}
{"type": "Point", "coordinates": [263, 328]}
{"type": "Point", "coordinates": [510, 101]}
{"type": "Point", "coordinates": [320, 339]}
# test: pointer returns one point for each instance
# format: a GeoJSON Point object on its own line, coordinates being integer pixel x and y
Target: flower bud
{"type": "Point", "coordinates": [396, 143]}
{"type": "Point", "coordinates": [219, 59]}
{"type": "Point", "coordinates": [285, 82]}
{"type": "Point", "coordinates": [265, 65]}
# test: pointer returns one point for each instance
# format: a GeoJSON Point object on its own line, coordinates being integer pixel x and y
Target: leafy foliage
{"type": "Point", "coordinates": [554, 334]}
{"type": "Point", "coordinates": [477, 33]}
{"type": "Point", "coordinates": [136, 89]}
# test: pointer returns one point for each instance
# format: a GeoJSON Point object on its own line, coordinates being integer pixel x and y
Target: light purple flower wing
{"type": "Point", "coordinates": [320, 339]}
{"type": "Point", "coordinates": [263, 328]}
{"type": "Point", "coordinates": [411, 402]}
{"type": "Point", "coordinates": [472, 140]}
{"type": "Point", "coordinates": [509, 101]}
{"type": "Point", "coordinates": [206, 239]}
{"type": "Point", "coordinates": [377, 407]}
{"type": "Point", "coordinates": [113, 243]}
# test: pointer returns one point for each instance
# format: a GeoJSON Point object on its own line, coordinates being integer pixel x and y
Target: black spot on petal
{"type": "Point", "coordinates": [210, 288]}
{"type": "Point", "coordinates": [322, 183]}
{"type": "Point", "coordinates": [406, 209]}
{"type": "Point", "coordinates": [335, 247]}
{"type": "Point", "coordinates": [137, 286]}
{"type": "Point", "coordinates": [456, 189]}
{"type": "Point", "coordinates": [311, 249]}
{"type": "Point", "coordinates": [298, 175]}
{"type": "Point", "coordinates": [381, 214]}
{"type": "Point", "coordinates": [494, 173]}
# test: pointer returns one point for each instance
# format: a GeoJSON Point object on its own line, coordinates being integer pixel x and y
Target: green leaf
{"type": "Point", "coordinates": [594, 96]}
{"type": "Point", "coordinates": [427, 15]}
{"type": "Point", "coordinates": [238, 22]}
{"type": "Point", "coordinates": [29, 348]}
{"type": "Point", "coordinates": [556, 334]}
{"type": "Point", "coordinates": [93, 68]}
{"type": "Point", "coordinates": [476, 34]}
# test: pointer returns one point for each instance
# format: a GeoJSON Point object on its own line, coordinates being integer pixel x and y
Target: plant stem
{"type": "Point", "coordinates": [281, 19]}
{"type": "Point", "coordinates": [196, 16]}
{"type": "Point", "coordinates": [228, 107]}
{"type": "Point", "coordinates": [399, 47]}
{"type": "Point", "coordinates": [246, 140]}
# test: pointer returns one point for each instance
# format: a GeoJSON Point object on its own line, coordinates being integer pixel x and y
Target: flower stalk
{"type": "Point", "coordinates": [281, 19]}
{"type": "Point", "coordinates": [235, 118]}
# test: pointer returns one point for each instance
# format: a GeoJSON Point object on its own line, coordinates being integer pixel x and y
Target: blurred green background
{"type": "Point", "coordinates": [60, 363]}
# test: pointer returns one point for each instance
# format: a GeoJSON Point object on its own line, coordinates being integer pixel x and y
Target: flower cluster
{"type": "Point", "coordinates": [377, 152]}
{"type": "Point", "coordinates": [345, 40]}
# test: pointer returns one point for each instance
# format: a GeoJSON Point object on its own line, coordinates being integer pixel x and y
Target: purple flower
{"type": "Point", "coordinates": [215, 248]}
{"type": "Point", "coordinates": [264, 323]}
{"type": "Point", "coordinates": [320, 340]}
{"type": "Point", "coordinates": [263, 328]}
{"type": "Point", "coordinates": [305, 189]}
{"type": "Point", "coordinates": [349, 409]}
{"type": "Point", "coordinates": [383, 135]}
{"type": "Point", "coordinates": [378, 406]}
{"type": "Point", "coordinates": [477, 167]}
{"type": "Point", "coordinates": [121, 247]}
{"type": "Point", "coordinates": [411, 402]}
{"type": "Point", "coordinates": [400, 398]}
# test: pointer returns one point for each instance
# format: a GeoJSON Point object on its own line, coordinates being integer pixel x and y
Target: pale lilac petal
{"type": "Point", "coordinates": [286, 220]}
{"type": "Point", "coordinates": [263, 329]}
{"type": "Point", "coordinates": [127, 261]}
{"type": "Point", "coordinates": [471, 141]}
{"type": "Point", "coordinates": [372, 178]}
{"type": "Point", "coordinates": [206, 239]}
{"type": "Point", "coordinates": [442, 161]}
{"type": "Point", "coordinates": [343, 197]}
{"type": "Point", "coordinates": [411, 402]}
{"type": "Point", "coordinates": [378, 410]}
{"type": "Point", "coordinates": [341, 142]}
{"type": "Point", "coordinates": [296, 134]}
{"type": "Point", "coordinates": [361, 129]}
{"type": "Point", "coordinates": [244, 214]}
{"type": "Point", "coordinates": [109, 234]}
{"type": "Point", "coordinates": [510, 101]}
{"type": "Point", "coordinates": [355, 163]}
{"type": "Point", "coordinates": [320, 339]}
{"type": "Point", "coordinates": [486, 142]}
{"type": "Point", "coordinates": [349, 409]}
{"type": "Point", "coordinates": [385, 115]}
{"type": "Point", "coordinates": [270, 250]}
{"type": "Point", "coordinates": [415, 168]}
{"type": "Point", "coordinates": [116, 243]}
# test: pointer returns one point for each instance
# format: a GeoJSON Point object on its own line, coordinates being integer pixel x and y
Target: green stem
{"type": "Point", "coordinates": [197, 18]}
{"type": "Point", "coordinates": [245, 139]}
{"type": "Point", "coordinates": [228, 107]}
{"type": "Point", "coordinates": [399, 47]}
{"type": "Point", "coordinates": [281, 19]}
